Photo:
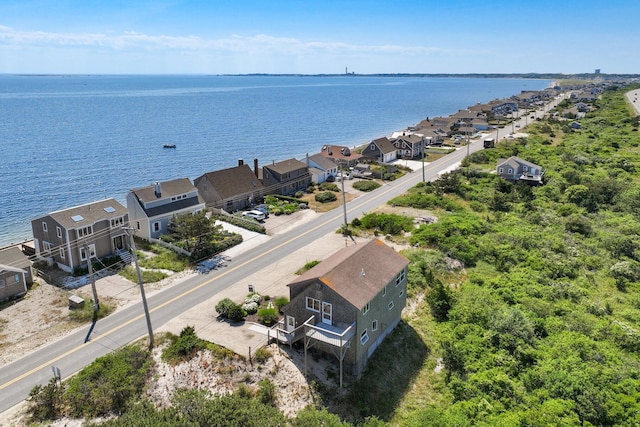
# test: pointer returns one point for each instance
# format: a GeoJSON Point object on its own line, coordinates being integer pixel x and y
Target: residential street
{"type": "Point", "coordinates": [124, 326]}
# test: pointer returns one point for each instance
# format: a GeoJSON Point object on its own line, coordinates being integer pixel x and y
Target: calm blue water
{"type": "Point", "coordinates": [69, 140]}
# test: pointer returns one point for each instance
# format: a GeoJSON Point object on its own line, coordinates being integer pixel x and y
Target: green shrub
{"type": "Point", "coordinates": [326, 197]}
{"type": "Point", "coordinates": [267, 392]}
{"type": "Point", "coordinates": [262, 354]}
{"type": "Point", "coordinates": [183, 347]}
{"type": "Point", "coordinates": [236, 313]}
{"type": "Point", "coordinates": [224, 307]}
{"type": "Point", "coordinates": [366, 185]}
{"type": "Point", "coordinates": [328, 186]}
{"type": "Point", "coordinates": [280, 302]}
{"type": "Point", "coordinates": [268, 316]}
{"type": "Point", "coordinates": [109, 384]}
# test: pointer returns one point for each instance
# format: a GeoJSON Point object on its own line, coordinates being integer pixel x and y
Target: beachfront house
{"type": "Point", "coordinates": [408, 145]}
{"type": "Point", "coordinates": [381, 150]}
{"type": "Point", "coordinates": [13, 282]}
{"type": "Point", "coordinates": [516, 169]}
{"type": "Point", "coordinates": [71, 236]}
{"type": "Point", "coordinates": [151, 208]}
{"type": "Point", "coordinates": [347, 304]}
{"type": "Point", "coordinates": [342, 155]}
{"type": "Point", "coordinates": [230, 189]}
{"type": "Point", "coordinates": [321, 168]}
{"type": "Point", "coordinates": [285, 177]}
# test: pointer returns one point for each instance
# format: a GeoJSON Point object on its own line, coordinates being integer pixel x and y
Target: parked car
{"type": "Point", "coordinates": [257, 215]}
{"type": "Point", "coordinates": [262, 208]}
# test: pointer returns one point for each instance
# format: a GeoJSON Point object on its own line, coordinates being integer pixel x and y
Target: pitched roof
{"type": "Point", "coordinates": [357, 273]}
{"type": "Point", "coordinates": [322, 161]}
{"type": "Point", "coordinates": [339, 152]}
{"type": "Point", "coordinates": [514, 162]}
{"type": "Point", "coordinates": [88, 214]}
{"type": "Point", "coordinates": [171, 188]}
{"type": "Point", "coordinates": [384, 145]}
{"type": "Point", "coordinates": [233, 181]}
{"type": "Point", "coordinates": [285, 166]}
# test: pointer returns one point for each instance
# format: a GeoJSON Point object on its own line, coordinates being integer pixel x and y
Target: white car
{"type": "Point", "coordinates": [257, 215]}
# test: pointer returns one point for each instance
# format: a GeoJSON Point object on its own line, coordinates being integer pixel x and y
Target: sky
{"type": "Point", "coordinates": [319, 36]}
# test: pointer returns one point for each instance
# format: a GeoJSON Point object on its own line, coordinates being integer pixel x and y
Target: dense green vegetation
{"type": "Point", "coordinates": [199, 235]}
{"type": "Point", "coordinates": [524, 304]}
{"type": "Point", "coordinates": [545, 328]}
{"type": "Point", "coordinates": [366, 185]}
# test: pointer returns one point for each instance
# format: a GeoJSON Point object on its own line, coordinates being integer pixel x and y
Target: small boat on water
{"type": "Point", "coordinates": [169, 146]}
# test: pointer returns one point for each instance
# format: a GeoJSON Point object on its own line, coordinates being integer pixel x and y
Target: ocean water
{"type": "Point", "coordinates": [69, 140]}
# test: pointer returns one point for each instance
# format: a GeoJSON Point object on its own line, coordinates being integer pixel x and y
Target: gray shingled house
{"type": "Point", "coordinates": [285, 177]}
{"type": "Point", "coordinates": [517, 169]}
{"type": "Point", "coordinates": [151, 208]}
{"type": "Point", "coordinates": [64, 236]}
{"type": "Point", "coordinates": [347, 304]}
{"type": "Point", "coordinates": [231, 189]}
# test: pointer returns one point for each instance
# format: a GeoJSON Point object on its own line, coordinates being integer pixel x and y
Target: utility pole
{"type": "Point", "coordinates": [423, 150]}
{"type": "Point", "coordinates": [144, 298]}
{"type": "Point", "coordinates": [96, 303]}
{"type": "Point", "coordinates": [344, 208]}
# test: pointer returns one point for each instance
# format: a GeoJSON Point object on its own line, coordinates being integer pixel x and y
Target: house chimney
{"type": "Point", "coordinates": [255, 166]}
{"type": "Point", "coordinates": [157, 189]}
{"type": "Point", "coordinates": [308, 161]}
{"type": "Point", "coordinates": [240, 162]}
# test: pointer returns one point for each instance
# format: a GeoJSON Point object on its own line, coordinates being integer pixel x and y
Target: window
{"type": "Point", "coordinates": [85, 231]}
{"type": "Point", "coordinates": [46, 246]}
{"type": "Point", "coordinates": [83, 252]}
{"type": "Point", "coordinates": [374, 325]}
{"type": "Point", "coordinates": [156, 226]}
{"type": "Point", "coordinates": [401, 292]}
{"type": "Point", "coordinates": [500, 170]}
{"type": "Point", "coordinates": [364, 337]}
{"type": "Point", "coordinates": [62, 253]}
{"type": "Point", "coordinates": [116, 222]}
{"type": "Point", "coordinates": [384, 291]}
{"type": "Point", "coordinates": [365, 309]}
{"type": "Point", "coordinates": [313, 304]}
{"type": "Point", "coordinates": [510, 170]}
{"type": "Point", "coordinates": [390, 305]}
{"type": "Point", "coordinates": [59, 232]}
{"type": "Point", "coordinates": [44, 226]}
{"type": "Point", "coordinates": [524, 168]}
{"type": "Point", "coordinates": [400, 277]}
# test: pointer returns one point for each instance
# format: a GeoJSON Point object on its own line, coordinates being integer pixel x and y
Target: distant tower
{"type": "Point", "coordinates": [597, 70]}
{"type": "Point", "coordinates": [346, 70]}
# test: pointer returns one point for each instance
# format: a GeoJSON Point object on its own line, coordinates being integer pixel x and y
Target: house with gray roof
{"type": "Point", "coordinates": [13, 282]}
{"type": "Point", "coordinates": [381, 150]}
{"type": "Point", "coordinates": [516, 169]}
{"type": "Point", "coordinates": [231, 189]}
{"type": "Point", "coordinates": [409, 145]}
{"type": "Point", "coordinates": [321, 168]}
{"type": "Point", "coordinates": [347, 304]}
{"type": "Point", "coordinates": [151, 208]}
{"type": "Point", "coordinates": [285, 177]}
{"type": "Point", "coordinates": [71, 236]}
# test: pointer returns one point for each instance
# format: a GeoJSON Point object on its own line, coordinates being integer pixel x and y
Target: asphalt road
{"type": "Point", "coordinates": [70, 354]}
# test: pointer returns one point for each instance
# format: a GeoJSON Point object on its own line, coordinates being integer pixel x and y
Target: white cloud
{"type": "Point", "coordinates": [234, 44]}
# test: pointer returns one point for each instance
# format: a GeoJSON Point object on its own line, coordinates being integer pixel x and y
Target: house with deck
{"type": "Point", "coordinates": [347, 304]}
{"type": "Point", "coordinates": [285, 177]}
{"type": "Point", "coordinates": [516, 169]}
{"type": "Point", "coordinates": [230, 189]}
{"type": "Point", "coordinates": [409, 145]}
{"type": "Point", "coordinates": [151, 208]}
{"type": "Point", "coordinates": [71, 236]}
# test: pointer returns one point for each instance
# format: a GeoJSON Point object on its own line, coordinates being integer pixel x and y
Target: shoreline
{"type": "Point", "coordinates": [18, 231]}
